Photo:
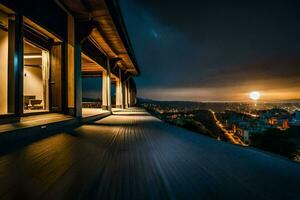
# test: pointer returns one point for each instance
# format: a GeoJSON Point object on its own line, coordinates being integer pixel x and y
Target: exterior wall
{"type": "Point", "coordinates": [3, 71]}
{"type": "Point", "coordinates": [56, 79]}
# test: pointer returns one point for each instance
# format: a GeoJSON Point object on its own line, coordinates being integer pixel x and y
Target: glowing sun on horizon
{"type": "Point", "coordinates": [254, 95]}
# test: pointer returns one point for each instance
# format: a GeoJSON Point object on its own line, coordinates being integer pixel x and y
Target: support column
{"type": "Point", "coordinates": [19, 64]}
{"type": "Point", "coordinates": [78, 80]}
{"type": "Point", "coordinates": [15, 65]}
{"type": "Point", "coordinates": [106, 91]}
{"type": "Point", "coordinates": [119, 94]}
{"type": "Point", "coordinates": [125, 95]}
{"type": "Point", "coordinates": [129, 93]}
{"type": "Point", "coordinates": [134, 97]}
{"type": "Point", "coordinates": [70, 67]}
{"type": "Point", "coordinates": [131, 97]}
{"type": "Point", "coordinates": [73, 62]}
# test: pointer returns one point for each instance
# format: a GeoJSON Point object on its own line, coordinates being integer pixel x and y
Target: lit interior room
{"type": "Point", "coordinates": [36, 78]}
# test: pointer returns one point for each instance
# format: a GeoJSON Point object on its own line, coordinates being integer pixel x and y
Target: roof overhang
{"type": "Point", "coordinates": [110, 33]}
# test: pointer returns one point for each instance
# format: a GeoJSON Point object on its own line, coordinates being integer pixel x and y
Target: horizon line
{"type": "Point", "coordinates": [255, 102]}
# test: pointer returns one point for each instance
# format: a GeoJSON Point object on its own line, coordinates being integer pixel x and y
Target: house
{"type": "Point", "coordinates": [48, 47]}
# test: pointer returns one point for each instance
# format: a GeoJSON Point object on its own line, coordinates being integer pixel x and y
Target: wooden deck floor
{"type": "Point", "coordinates": [132, 155]}
{"type": "Point", "coordinates": [34, 120]}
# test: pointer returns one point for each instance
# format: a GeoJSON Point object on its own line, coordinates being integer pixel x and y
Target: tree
{"type": "Point", "coordinates": [275, 141]}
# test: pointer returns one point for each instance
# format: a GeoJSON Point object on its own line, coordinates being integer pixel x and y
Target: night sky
{"type": "Point", "coordinates": [215, 50]}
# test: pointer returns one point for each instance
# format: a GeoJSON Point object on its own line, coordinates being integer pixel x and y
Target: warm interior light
{"type": "Point", "coordinates": [254, 95]}
{"type": "Point", "coordinates": [32, 56]}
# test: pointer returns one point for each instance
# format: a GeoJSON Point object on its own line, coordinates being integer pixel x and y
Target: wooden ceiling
{"type": "Point", "coordinates": [88, 65]}
{"type": "Point", "coordinates": [90, 68]}
{"type": "Point", "coordinates": [105, 33]}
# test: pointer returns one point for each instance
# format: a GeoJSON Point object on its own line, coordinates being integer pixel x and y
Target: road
{"type": "Point", "coordinates": [230, 136]}
{"type": "Point", "coordinates": [132, 155]}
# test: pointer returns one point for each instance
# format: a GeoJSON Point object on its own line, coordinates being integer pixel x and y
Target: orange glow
{"type": "Point", "coordinates": [240, 93]}
{"type": "Point", "coordinates": [255, 95]}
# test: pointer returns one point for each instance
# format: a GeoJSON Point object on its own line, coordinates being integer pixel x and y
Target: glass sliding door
{"type": "Point", "coordinates": [36, 78]}
{"type": "Point", "coordinates": [43, 70]}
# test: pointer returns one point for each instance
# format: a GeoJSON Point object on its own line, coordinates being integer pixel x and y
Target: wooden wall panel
{"type": "Point", "coordinates": [56, 78]}
{"type": "Point", "coordinates": [4, 71]}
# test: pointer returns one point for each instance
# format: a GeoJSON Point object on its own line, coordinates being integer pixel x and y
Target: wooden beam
{"type": "Point", "coordinates": [83, 29]}
{"type": "Point", "coordinates": [91, 73]}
